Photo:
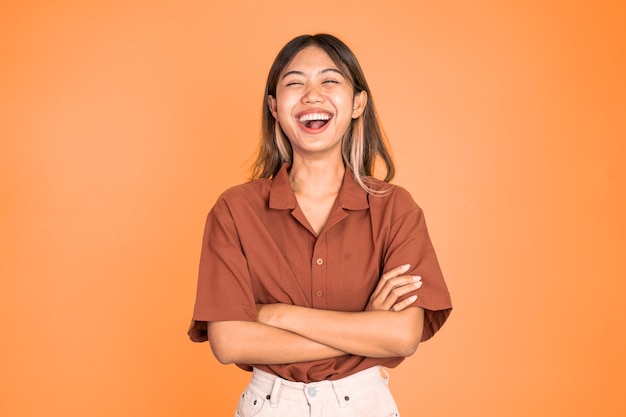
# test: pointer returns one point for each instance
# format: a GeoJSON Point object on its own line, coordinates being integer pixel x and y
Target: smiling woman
{"type": "Point", "coordinates": [315, 103]}
{"type": "Point", "coordinates": [280, 251]}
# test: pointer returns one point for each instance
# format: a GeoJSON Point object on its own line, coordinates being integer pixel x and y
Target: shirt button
{"type": "Point", "coordinates": [312, 392]}
{"type": "Point", "coordinates": [319, 261]}
{"type": "Point", "coordinates": [319, 293]}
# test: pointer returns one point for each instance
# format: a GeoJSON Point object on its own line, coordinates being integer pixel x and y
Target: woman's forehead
{"type": "Point", "coordinates": [312, 59]}
{"type": "Point", "coordinates": [311, 56]}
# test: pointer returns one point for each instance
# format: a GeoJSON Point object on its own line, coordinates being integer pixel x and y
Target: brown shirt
{"type": "Point", "coordinates": [258, 247]}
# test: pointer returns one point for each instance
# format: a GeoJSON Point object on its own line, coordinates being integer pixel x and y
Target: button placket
{"type": "Point", "coordinates": [319, 272]}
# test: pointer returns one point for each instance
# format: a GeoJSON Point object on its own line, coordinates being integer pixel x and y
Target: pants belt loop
{"type": "Point", "coordinates": [342, 398]}
{"type": "Point", "coordinates": [274, 395]}
{"type": "Point", "coordinates": [386, 375]}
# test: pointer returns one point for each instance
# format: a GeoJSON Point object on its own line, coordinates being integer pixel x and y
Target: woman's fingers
{"type": "Point", "coordinates": [398, 286]}
{"type": "Point", "coordinates": [384, 279]}
{"type": "Point", "coordinates": [404, 303]}
{"type": "Point", "coordinates": [394, 287]}
{"type": "Point", "coordinates": [394, 272]}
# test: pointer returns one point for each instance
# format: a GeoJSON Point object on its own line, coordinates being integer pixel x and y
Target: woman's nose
{"type": "Point", "coordinates": [313, 95]}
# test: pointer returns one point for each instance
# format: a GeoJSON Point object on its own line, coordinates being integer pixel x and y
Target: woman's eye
{"type": "Point", "coordinates": [330, 82]}
{"type": "Point", "coordinates": [289, 84]}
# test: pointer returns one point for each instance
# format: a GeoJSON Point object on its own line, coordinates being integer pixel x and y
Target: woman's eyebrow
{"type": "Point", "coordinates": [331, 70]}
{"type": "Point", "coordinates": [293, 72]}
{"type": "Point", "coordinates": [325, 70]}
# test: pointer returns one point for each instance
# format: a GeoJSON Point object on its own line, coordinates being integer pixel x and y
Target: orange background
{"type": "Point", "coordinates": [122, 121]}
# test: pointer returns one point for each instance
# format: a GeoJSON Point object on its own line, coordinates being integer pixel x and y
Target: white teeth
{"type": "Point", "coordinates": [314, 116]}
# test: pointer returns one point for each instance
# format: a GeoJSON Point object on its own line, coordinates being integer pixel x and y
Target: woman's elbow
{"type": "Point", "coordinates": [411, 348]}
{"type": "Point", "coordinates": [221, 346]}
{"type": "Point", "coordinates": [223, 356]}
{"type": "Point", "coordinates": [407, 346]}
{"type": "Point", "coordinates": [411, 332]}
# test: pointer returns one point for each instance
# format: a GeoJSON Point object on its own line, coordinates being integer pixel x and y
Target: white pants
{"type": "Point", "coordinates": [364, 394]}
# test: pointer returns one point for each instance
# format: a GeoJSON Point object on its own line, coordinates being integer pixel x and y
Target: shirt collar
{"type": "Point", "coordinates": [351, 195]}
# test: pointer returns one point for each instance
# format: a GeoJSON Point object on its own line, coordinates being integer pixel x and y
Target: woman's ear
{"type": "Point", "coordinates": [271, 103]}
{"type": "Point", "coordinates": [358, 104]}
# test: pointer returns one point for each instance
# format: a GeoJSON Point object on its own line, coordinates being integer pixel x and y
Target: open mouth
{"type": "Point", "coordinates": [314, 120]}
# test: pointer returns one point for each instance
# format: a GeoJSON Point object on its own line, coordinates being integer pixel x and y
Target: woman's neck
{"type": "Point", "coordinates": [316, 177]}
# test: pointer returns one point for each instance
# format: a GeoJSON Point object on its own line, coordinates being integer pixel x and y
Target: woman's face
{"type": "Point", "coordinates": [315, 104]}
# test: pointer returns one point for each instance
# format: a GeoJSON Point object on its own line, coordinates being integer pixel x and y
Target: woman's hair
{"type": "Point", "coordinates": [364, 140]}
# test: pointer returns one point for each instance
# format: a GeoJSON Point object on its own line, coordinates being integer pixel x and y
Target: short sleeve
{"type": "Point", "coordinates": [409, 242]}
{"type": "Point", "coordinates": [224, 291]}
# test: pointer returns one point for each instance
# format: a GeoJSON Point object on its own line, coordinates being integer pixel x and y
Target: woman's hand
{"type": "Point", "coordinates": [391, 287]}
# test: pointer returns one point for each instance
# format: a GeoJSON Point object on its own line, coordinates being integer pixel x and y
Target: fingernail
{"type": "Point", "coordinates": [406, 267]}
{"type": "Point", "coordinates": [417, 278]}
{"type": "Point", "coordinates": [417, 284]}
{"type": "Point", "coordinates": [413, 298]}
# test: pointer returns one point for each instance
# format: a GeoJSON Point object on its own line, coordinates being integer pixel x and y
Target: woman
{"type": "Point", "coordinates": [315, 275]}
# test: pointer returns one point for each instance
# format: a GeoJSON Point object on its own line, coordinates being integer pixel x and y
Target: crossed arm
{"type": "Point", "coordinates": [387, 328]}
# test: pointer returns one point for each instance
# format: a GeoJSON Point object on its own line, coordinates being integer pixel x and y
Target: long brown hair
{"type": "Point", "coordinates": [364, 140]}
